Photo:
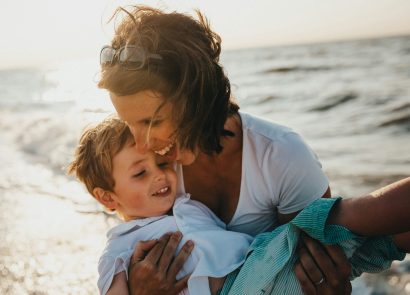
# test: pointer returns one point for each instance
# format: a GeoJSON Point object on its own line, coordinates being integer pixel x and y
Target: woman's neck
{"type": "Point", "coordinates": [215, 179]}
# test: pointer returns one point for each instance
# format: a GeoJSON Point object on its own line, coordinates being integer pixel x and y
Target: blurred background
{"type": "Point", "coordinates": [337, 72]}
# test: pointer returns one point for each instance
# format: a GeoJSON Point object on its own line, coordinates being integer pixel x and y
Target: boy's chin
{"type": "Point", "coordinates": [170, 212]}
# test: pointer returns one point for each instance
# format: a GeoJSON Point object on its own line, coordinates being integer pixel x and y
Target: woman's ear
{"type": "Point", "coordinates": [104, 197]}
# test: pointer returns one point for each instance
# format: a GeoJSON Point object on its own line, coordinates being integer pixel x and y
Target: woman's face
{"type": "Point", "coordinates": [151, 124]}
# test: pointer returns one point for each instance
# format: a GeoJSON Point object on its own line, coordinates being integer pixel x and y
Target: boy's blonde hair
{"type": "Point", "coordinates": [97, 147]}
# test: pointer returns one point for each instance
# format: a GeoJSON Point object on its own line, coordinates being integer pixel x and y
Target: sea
{"type": "Point", "coordinates": [350, 101]}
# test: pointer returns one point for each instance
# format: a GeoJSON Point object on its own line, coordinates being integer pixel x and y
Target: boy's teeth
{"type": "Point", "coordinates": [161, 191]}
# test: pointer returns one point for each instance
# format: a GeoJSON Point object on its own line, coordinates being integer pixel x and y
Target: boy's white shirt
{"type": "Point", "coordinates": [217, 252]}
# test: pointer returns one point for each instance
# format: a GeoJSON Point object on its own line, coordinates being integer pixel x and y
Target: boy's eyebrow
{"type": "Point", "coordinates": [135, 163]}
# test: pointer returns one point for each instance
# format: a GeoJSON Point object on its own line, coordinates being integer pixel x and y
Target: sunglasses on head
{"type": "Point", "coordinates": [130, 56]}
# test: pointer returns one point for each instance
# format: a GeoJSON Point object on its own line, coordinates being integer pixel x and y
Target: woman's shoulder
{"type": "Point", "coordinates": [262, 133]}
{"type": "Point", "coordinates": [260, 126]}
{"type": "Point", "coordinates": [268, 143]}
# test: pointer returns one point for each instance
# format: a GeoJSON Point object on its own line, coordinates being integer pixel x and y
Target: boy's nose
{"type": "Point", "coordinates": [159, 176]}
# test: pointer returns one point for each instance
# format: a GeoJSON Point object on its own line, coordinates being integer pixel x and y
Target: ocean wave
{"type": "Point", "coordinates": [297, 69]}
{"type": "Point", "coordinates": [399, 120]}
{"type": "Point", "coordinates": [401, 107]}
{"type": "Point", "coordinates": [334, 101]}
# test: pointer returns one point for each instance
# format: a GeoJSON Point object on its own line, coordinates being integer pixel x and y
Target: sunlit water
{"type": "Point", "coordinates": [350, 101]}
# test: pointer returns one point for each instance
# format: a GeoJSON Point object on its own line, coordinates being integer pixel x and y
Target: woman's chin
{"type": "Point", "coordinates": [186, 157]}
{"type": "Point", "coordinates": [183, 157]}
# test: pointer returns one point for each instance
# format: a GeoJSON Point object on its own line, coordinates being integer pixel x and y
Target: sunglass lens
{"type": "Point", "coordinates": [107, 55]}
{"type": "Point", "coordinates": [132, 56]}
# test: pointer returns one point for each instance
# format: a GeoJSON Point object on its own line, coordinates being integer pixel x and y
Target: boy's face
{"type": "Point", "coordinates": [145, 184]}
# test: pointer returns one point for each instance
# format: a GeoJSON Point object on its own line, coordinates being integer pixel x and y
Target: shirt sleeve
{"type": "Point", "coordinates": [294, 173]}
{"type": "Point", "coordinates": [109, 266]}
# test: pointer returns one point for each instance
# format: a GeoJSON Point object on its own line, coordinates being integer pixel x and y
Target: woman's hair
{"type": "Point", "coordinates": [189, 75]}
{"type": "Point", "coordinates": [97, 147]}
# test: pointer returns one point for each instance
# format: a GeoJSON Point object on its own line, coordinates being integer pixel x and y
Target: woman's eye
{"type": "Point", "coordinates": [156, 123]}
{"type": "Point", "coordinates": [152, 123]}
{"type": "Point", "coordinates": [139, 174]}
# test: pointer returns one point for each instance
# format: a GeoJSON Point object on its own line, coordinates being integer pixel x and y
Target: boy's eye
{"type": "Point", "coordinates": [139, 174]}
{"type": "Point", "coordinates": [163, 164]}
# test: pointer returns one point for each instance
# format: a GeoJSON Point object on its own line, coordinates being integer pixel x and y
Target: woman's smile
{"type": "Point", "coordinates": [164, 150]}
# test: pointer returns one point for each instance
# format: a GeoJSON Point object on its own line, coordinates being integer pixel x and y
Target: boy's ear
{"type": "Point", "coordinates": [104, 197]}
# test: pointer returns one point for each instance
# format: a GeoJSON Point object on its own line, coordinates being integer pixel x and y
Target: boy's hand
{"type": "Point", "coordinates": [322, 269]}
{"type": "Point", "coordinates": [153, 267]}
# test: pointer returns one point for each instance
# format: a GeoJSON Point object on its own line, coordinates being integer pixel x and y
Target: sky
{"type": "Point", "coordinates": [40, 32]}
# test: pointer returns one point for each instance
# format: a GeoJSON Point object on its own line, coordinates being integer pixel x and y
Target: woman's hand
{"type": "Point", "coordinates": [153, 267]}
{"type": "Point", "coordinates": [322, 269]}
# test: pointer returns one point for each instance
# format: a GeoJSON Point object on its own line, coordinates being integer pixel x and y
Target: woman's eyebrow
{"type": "Point", "coordinates": [156, 118]}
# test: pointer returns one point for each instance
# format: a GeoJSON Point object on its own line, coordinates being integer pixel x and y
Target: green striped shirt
{"type": "Point", "coordinates": [270, 261]}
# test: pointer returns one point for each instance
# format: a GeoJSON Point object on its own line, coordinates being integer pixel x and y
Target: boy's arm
{"type": "Point", "coordinates": [119, 285]}
{"type": "Point", "coordinates": [383, 212]}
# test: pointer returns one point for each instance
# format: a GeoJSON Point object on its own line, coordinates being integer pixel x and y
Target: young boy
{"type": "Point", "coordinates": [142, 189]}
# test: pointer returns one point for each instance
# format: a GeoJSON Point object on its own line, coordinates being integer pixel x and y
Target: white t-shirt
{"type": "Point", "coordinates": [279, 172]}
{"type": "Point", "coordinates": [217, 252]}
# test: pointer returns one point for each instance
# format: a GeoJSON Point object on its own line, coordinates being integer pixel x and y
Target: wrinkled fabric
{"type": "Point", "coordinates": [217, 252]}
{"type": "Point", "coordinates": [269, 266]}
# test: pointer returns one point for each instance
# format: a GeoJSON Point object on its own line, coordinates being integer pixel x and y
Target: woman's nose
{"type": "Point", "coordinates": [140, 139]}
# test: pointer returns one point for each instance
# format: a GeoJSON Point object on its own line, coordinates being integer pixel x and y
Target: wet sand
{"type": "Point", "coordinates": [48, 248]}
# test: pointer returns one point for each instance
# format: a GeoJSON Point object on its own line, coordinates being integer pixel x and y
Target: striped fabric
{"type": "Point", "coordinates": [269, 266]}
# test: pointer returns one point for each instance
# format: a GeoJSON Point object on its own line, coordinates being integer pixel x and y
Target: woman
{"type": "Point", "coordinates": [164, 78]}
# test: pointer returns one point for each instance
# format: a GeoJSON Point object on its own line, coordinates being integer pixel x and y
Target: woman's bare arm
{"type": "Point", "coordinates": [383, 212]}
